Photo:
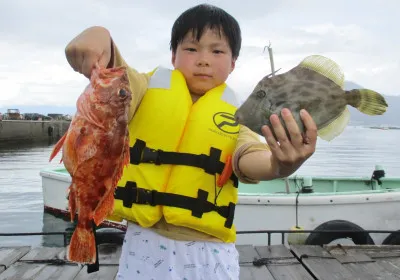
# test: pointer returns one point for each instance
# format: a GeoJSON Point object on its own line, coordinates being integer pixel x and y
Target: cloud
{"type": "Point", "coordinates": [359, 36]}
{"type": "Point", "coordinates": [37, 77]}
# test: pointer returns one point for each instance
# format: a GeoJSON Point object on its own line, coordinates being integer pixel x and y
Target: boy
{"type": "Point", "coordinates": [180, 210]}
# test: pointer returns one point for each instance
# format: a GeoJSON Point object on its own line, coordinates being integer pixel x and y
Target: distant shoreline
{"type": "Point", "coordinates": [32, 130]}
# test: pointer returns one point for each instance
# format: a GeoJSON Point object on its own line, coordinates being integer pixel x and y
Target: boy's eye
{"type": "Point", "coordinates": [218, 51]}
{"type": "Point", "coordinates": [191, 49]}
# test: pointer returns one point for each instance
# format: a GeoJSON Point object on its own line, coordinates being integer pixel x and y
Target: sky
{"type": "Point", "coordinates": [361, 36]}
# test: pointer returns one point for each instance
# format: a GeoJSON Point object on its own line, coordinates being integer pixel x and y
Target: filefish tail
{"type": "Point", "coordinates": [367, 101]}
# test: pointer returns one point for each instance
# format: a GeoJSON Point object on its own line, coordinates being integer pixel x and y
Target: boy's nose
{"type": "Point", "coordinates": [202, 62]}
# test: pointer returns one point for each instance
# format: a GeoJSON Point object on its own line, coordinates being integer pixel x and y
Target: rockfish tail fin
{"type": "Point", "coordinates": [58, 147]}
{"type": "Point", "coordinates": [82, 248]}
{"type": "Point", "coordinates": [367, 101]}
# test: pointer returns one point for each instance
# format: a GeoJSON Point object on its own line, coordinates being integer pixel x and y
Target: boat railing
{"type": "Point", "coordinates": [102, 235]}
{"type": "Point", "coordinates": [284, 232]}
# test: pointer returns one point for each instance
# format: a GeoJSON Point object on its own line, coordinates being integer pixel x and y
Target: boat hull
{"type": "Point", "coordinates": [275, 205]}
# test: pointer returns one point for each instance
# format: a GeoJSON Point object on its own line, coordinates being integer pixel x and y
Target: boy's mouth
{"type": "Point", "coordinates": [202, 76]}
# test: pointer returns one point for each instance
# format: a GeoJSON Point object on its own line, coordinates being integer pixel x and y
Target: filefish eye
{"type": "Point", "coordinates": [122, 92]}
{"type": "Point", "coordinates": [261, 94]}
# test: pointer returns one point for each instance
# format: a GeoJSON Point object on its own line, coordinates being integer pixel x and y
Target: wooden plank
{"type": "Point", "coordinates": [391, 265]}
{"type": "Point", "coordinates": [22, 271]}
{"type": "Point", "coordinates": [36, 264]}
{"type": "Point", "coordinates": [321, 264]}
{"type": "Point", "coordinates": [42, 253]}
{"type": "Point", "coordinates": [343, 255]}
{"type": "Point", "coordinates": [48, 271]}
{"type": "Point", "coordinates": [283, 265]}
{"type": "Point", "coordinates": [331, 262]}
{"type": "Point", "coordinates": [105, 272]}
{"type": "Point", "coordinates": [109, 254]}
{"type": "Point", "coordinates": [359, 262]}
{"type": "Point", "coordinates": [9, 255]}
{"type": "Point", "coordinates": [55, 272]}
{"type": "Point", "coordinates": [371, 271]}
{"type": "Point", "coordinates": [247, 254]}
{"type": "Point", "coordinates": [373, 251]}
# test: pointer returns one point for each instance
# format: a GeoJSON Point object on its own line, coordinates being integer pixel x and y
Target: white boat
{"type": "Point", "coordinates": [300, 203]}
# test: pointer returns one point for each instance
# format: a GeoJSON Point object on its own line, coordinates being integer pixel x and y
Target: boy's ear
{"type": "Point", "coordinates": [173, 57]}
{"type": "Point", "coordinates": [233, 64]}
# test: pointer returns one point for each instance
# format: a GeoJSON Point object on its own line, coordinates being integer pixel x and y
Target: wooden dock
{"type": "Point", "coordinates": [275, 262]}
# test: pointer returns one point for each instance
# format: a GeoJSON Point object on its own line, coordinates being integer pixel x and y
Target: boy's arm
{"type": "Point", "coordinates": [138, 82]}
{"type": "Point", "coordinates": [248, 142]}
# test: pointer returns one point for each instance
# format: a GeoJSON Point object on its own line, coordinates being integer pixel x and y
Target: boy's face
{"type": "Point", "coordinates": [205, 64]}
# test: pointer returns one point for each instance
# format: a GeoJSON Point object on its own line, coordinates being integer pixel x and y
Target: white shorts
{"type": "Point", "coordinates": [148, 255]}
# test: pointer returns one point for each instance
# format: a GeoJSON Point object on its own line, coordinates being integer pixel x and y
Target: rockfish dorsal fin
{"type": "Point", "coordinates": [325, 67]}
{"type": "Point", "coordinates": [336, 127]}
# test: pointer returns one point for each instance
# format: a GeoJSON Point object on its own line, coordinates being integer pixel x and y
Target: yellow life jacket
{"type": "Point", "coordinates": [178, 151]}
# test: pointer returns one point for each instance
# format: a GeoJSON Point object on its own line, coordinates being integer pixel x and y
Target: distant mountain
{"type": "Point", "coordinates": [391, 117]}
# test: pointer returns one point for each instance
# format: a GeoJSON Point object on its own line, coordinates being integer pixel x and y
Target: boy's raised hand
{"type": "Point", "coordinates": [289, 154]}
{"type": "Point", "coordinates": [91, 46]}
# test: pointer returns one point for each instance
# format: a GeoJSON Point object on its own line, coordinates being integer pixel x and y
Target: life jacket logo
{"type": "Point", "coordinates": [226, 122]}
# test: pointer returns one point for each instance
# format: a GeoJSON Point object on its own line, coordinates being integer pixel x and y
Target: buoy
{"type": "Point", "coordinates": [297, 238]}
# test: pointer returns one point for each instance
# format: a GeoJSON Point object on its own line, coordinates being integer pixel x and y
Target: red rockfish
{"type": "Point", "coordinates": [95, 150]}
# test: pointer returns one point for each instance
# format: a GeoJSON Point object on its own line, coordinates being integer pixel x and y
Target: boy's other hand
{"type": "Point", "coordinates": [91, 46]}
{"type": "Point", "coordinates": [288, 155]}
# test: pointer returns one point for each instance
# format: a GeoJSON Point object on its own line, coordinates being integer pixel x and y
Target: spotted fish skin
{"type": "Point", "coordinates": [316, 84]}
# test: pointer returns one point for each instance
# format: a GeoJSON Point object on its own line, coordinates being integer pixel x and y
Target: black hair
{"type": "Point", "coordinates": [204, 16]}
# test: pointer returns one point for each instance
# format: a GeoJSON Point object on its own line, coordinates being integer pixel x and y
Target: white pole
{"type": "Point", "coordinates": [271, 60]}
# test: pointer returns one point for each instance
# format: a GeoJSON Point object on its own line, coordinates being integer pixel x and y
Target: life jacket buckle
{"type": "Point", "coordinates": [149, 197]}
{"type": "Point", "coordinates": [151, 156]}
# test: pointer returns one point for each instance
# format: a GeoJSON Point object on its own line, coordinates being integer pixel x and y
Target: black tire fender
{"type": "Point", "coordinates": [392, 239]}
{"type": "Point", "coordinates": [316, 238]}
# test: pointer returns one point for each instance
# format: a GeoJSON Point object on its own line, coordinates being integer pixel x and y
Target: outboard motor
{"type": "Point", "coordinates": [378, 174]}
{"type": "Point", "coordinates": [307, 186]}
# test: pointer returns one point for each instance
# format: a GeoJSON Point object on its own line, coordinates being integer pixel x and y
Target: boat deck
{"type": "Point", "coordinates": [256, 262]}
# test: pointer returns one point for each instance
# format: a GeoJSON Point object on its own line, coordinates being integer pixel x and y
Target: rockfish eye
{"type": "Point", "coordinates": [122, 92]}
{"type": "Point", "coordinates": [261, 94]}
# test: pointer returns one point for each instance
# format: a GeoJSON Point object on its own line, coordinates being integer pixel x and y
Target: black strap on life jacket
{"type": "Point", "coordinates": [139, 153]}
{"type": "Point", "coordinates": [198, 205]}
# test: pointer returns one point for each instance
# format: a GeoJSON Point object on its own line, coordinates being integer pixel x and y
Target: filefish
{"type": "Point", "coordinates": [95, 150]}
{"type": "Point", "coordinates": [317, 85]}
